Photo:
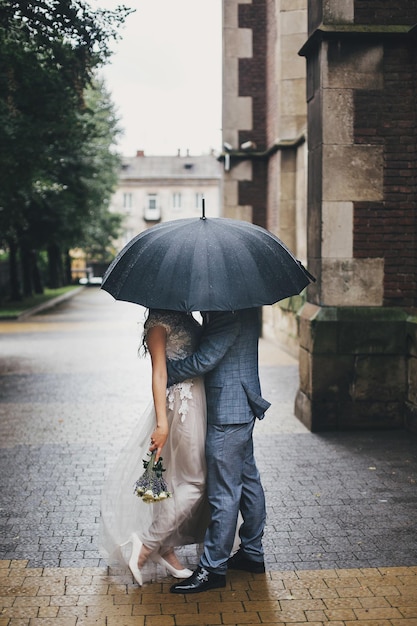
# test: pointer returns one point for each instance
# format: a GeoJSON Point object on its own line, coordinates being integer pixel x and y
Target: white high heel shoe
{"type": "Point", "coordinates": [177, 573]}
{"type": "Point", "coordinates": [133, 561]}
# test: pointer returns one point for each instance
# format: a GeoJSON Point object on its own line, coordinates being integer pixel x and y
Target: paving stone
{"type": "Point", "coordinates": [341, 506]}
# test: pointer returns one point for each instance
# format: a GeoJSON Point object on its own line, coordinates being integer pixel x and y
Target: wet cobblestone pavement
{"type": "Point", "coordinates": [341, 536]}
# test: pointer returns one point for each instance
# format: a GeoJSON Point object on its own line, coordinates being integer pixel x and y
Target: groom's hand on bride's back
{"type": "Point", "coordinates": [218, 336]}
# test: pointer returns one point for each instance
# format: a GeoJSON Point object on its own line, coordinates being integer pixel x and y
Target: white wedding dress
{"type": "Point", "coordinates": [179, 520]}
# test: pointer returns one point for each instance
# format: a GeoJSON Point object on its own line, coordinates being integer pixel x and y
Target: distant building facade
{"type": "Point", "coordinates": [155, 189]}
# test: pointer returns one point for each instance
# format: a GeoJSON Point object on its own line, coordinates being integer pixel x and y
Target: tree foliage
{"type": "Point", "coordinates": [57, 128]}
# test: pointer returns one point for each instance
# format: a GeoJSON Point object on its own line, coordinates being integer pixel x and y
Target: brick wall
{"type": "Point", "coordinates": [388, 229]}
{"type": "Point", "coordinates": [252, 83]}
{"type": "Point", "coordinates": [252, 72]}
{"type": "Point", "coordinates": [383, 12]}
{"type": "Point", "coordinates": [254, 192]}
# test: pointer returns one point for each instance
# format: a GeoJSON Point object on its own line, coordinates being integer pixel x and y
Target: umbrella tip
{"type": "Point", "coordinates": [312, 278]}
{"type": "Point", "coordinates": [203, 208]}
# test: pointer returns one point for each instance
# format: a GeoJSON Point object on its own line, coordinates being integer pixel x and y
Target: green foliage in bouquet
{"type": "Point", "coordinates": [151, 486]}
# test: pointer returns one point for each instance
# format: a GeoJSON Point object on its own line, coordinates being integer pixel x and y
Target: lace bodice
{"type": "Point", "coordinates": [183, 332]}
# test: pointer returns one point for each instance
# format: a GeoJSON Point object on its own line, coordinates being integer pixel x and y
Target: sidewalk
{"type": "Point", "coordinates": [341, 532]}
{"type": "Point", "coordinates": [68, 597]}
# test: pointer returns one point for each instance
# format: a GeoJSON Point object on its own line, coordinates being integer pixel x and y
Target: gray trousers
{"type": "Point", "coordinates": [233, 485]}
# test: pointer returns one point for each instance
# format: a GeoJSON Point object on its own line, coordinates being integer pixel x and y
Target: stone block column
{"type": "Point", "coordinates": [357, 344]}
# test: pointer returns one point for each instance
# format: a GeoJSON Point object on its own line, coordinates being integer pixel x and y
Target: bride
{"type": "Point", "coordinates": [131, 530]}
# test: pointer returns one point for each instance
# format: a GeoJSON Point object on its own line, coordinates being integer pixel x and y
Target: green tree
{"type": "Point", "coordinates": [50, 50]}
{"type": "Point", "coordinates": [77, 212]}
{"type": "Point", "coordinates": [99, 233]}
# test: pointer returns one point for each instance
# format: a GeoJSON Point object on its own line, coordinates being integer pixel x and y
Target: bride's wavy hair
{"type": "Point", "coordinates": [143, 348]}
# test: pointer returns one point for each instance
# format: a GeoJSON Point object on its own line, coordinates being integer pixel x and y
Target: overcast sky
{"type": "Point", "coordinates": [165, 76]}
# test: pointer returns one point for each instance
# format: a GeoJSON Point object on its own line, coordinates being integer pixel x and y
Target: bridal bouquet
{"type": "Point", "coordinates": [151, 486]}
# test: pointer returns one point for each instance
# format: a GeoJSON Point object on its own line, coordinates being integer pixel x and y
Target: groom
{"type": "Point", "coordinates": [228, 357]}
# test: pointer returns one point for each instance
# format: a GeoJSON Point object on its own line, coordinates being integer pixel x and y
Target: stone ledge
{"type": "Point", "coordinates": [357, 366]}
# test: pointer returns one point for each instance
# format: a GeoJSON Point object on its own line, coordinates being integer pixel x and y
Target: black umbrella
{"type": "Point", "coordinates": [205, 264]}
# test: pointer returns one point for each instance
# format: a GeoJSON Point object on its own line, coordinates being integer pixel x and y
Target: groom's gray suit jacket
{"type": "Point", "coordinates": [228, 358]}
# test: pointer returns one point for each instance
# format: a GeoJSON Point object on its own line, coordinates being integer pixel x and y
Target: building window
{"type": "Point", "coordinates": [176, 200]}
{"type": "Point", "coordinates": [199, 201]}
{"type": "Point", "coordinates": [127, 200]}
{"type": "Point", "coordinates": [151, 201]}
{"type": "Point", "coordinates": [152, 212]}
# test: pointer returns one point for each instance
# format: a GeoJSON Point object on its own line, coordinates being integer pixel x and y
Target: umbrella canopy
{"type": "Point", "coordinates": [205, 264]}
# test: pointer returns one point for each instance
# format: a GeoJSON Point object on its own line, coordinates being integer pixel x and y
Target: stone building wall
{"type": "Point", "coordinates": [390, 122]}
{"type": "Point", "coordinates": [358, 333]}
{"type": "Point", "coordinates": [244, 109]}
{"type": "Point", "coordinates": [265, 182]}
{"type": "Point", "coordinates": [333, 158]}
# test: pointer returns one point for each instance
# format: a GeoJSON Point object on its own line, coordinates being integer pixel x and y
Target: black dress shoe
{"type": "Point", "coordinates": [240, 561]}
{"type": "Point", "coordinates": [201, 580]}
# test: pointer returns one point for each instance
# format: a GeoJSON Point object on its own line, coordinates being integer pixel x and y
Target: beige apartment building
{"type": "Point", "coordinates": [155, 189]}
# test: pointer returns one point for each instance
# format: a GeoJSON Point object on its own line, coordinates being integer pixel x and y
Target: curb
{"type": "Point", "coordinates": [49, 304]}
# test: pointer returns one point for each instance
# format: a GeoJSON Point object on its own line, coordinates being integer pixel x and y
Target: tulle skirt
{"type": "Point", "coordinates": [177, 521]}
